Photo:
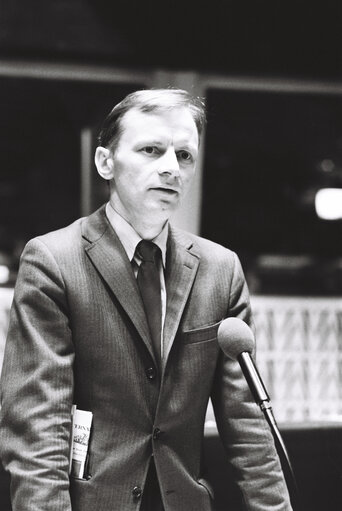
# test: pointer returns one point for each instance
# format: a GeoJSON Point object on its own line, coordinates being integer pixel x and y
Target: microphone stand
{"type": "Point", "coordinates": [262, 399]}
{"type": "Point", "coordinates": [283, 455]}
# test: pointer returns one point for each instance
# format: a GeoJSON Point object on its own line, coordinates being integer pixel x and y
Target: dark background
{"type": "Point", "coordinates": [267, 155]}
{"type": "Point", "coordinates": [301, 38]}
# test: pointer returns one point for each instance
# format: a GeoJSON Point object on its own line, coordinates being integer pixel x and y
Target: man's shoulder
{"type": "Point", "coordinates": [67, 237]}
{"type": "Point", "coordinates": [62, 237]}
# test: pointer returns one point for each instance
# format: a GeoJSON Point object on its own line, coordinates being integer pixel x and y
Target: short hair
{"type": "Point", "coordinates": [149, 100]}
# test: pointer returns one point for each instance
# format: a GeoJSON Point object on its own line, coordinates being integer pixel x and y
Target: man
{"type": "Point", "coordinates": [83, 331]}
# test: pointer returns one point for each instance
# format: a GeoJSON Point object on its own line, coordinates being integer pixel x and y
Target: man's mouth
{"type": "Point", "coordinates": [168, 191]}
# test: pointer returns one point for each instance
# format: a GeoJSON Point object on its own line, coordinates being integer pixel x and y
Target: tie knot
{"type": "Point", "coordinates": [148, 251]}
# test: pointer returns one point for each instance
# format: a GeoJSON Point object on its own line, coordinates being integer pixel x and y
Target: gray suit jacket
{"type": "Point", "coordinates": [78, 334]}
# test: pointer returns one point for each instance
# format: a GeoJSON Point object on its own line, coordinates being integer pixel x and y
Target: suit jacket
{"type": "Point", "coordinates": [78, 333]}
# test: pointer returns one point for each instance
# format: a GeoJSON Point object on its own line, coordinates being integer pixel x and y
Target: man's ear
{"type": "Point", "coordinates": [104, 163]}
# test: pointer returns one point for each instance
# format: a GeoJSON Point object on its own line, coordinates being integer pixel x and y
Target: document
{"type": "Point", "coordinates": [80, 434]}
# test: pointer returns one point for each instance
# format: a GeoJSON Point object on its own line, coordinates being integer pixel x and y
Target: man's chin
{"type": "Point", "coordinates": [160, 211]}
{"type": "Point", "coordinates": [168, 207]}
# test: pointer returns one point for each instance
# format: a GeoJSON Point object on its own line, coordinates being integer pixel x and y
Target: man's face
{"type": "Point", "coordinates": [154, 163]}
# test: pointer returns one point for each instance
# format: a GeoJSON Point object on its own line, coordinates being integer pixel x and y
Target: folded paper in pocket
{"type": "Point", "coordinates": [81, 427]}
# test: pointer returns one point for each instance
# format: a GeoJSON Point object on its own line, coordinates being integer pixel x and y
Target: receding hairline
{"type": "Point", "coordinates": [149, 101]}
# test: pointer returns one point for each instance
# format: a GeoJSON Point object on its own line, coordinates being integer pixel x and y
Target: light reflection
{"type": "Point", "coordinates": [328, 203]}
{"type": "Point", "coordinates": [4, 274]}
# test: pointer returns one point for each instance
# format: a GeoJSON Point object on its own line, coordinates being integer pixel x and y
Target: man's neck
{"type": "Point", "coordinates": [147, 230]}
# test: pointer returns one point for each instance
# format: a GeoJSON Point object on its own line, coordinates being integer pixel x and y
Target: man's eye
{"type": "Point", "coordinates": [184, 155]}
{"type": "Point", "coordinates": [150, 149]}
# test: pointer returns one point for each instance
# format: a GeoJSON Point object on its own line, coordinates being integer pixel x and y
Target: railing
{"type": "Point", "coordinates": [299, 353]}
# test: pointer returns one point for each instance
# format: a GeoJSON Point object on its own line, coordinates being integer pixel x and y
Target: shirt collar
{"type": "Point", "coordinates": [129, 236]}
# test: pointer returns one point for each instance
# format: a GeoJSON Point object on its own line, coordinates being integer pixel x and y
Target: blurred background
{"type": "Point", "coordinates": [269, 180]}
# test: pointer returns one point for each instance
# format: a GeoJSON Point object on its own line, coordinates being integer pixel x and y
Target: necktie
{"type": "Point", "coordinates": [149, 285]}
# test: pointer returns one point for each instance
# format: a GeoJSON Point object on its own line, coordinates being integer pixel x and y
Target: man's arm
{"type": "Point", "coordinates": [37, 386]}
{"type": "Point", "coordinates": [243, 429]}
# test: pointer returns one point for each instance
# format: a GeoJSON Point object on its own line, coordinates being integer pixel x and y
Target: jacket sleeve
{"type": "Point", "coordinates": [37, 386]}
{"type": "Point", "coordinates": [243, 429]}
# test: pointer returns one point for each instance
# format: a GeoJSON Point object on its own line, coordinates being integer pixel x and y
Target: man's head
{"type": "Point", "coordinates": [148, 153]}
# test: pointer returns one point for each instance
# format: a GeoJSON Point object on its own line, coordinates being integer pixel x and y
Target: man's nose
{"type": "Point", "coordinates": [168, 164]}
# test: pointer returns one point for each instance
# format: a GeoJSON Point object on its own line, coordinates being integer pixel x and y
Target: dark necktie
{"type": "Point", "coordinates": [149, 285]}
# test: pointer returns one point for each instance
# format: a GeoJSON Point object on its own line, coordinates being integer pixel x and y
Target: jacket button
{"type": "Point", "coordinates": [137, 492]}
{"type": "Point", "coordinates": [156, 433]}
{"type": "Point", "coordinates": [151, 373]}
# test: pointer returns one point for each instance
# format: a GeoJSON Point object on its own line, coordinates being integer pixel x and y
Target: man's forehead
{"type": "Point", "coordinates": [177, 116]}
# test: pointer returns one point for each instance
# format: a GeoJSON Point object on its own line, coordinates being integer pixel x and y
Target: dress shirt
{"type": "Point", "coordinates": [129, 239]}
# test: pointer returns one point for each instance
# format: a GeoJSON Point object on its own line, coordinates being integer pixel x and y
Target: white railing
{"type": "Point", "coordinates": [299, 355]}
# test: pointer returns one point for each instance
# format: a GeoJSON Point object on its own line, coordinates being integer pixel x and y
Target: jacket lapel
{"type": "Point", "coordinates": [181, 269]}
{"type": "Point", "coordinates": [110, 259]}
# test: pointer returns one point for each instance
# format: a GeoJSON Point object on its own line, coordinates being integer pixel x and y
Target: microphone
{"type": "Point", "coordinates": [236, 340]}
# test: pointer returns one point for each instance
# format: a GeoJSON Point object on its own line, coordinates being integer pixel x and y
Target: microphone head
{"type": "Point", "coordinates": [235, 337]}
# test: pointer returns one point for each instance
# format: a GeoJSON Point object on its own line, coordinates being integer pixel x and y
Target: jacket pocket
{"type": "Point", "coordinates": [86, 474]}
{"type": "Point", "coordinates": [203, 334]}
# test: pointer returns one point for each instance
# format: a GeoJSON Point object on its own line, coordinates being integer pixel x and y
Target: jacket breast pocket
{"type": "Point", "coordinates": [199, 335]}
